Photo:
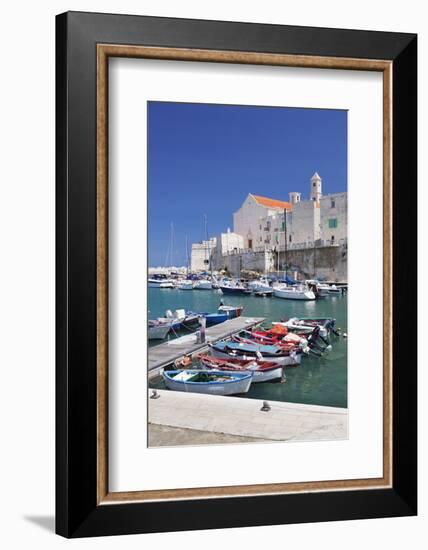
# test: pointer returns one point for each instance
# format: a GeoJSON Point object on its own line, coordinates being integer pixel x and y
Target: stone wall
{"type": "Point", "coordinates": [327, 262]}
{"type": "Point", "coordinates": [235, 263]}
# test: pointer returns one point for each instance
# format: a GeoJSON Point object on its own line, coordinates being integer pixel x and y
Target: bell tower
{"type": "Point", "coordinates": [316, 187]}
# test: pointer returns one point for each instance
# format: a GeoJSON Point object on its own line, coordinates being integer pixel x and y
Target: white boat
{"type": "Point", "coordinates": [185, 285]}
{"type": "Point", "coordinates": [260, 285]}
{"type": "Point", "coordinates": [160, 283]}
{"type": "Point", "coordinates": [293, 292]}
{"type": "Point", "coordinates": [203, 284]}
{"type": "Point", "coordinates": [263, 371]}
{"type": "Point", "coordinates": [299, 325]}
{"type": "Point", "coordinates": [233, 350]}
{"type": "Point", "coordinates": [208, 381]}
{"type": "Point", "coordinates": [333, 289]}
{"type": "Point", "coordinates": [322, 289]}
{"type": "Point", "coordinates": [158, 330]}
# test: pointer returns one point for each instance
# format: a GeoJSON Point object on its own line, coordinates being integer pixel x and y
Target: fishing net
{"type": "Point", "coordinates": [279, 330]}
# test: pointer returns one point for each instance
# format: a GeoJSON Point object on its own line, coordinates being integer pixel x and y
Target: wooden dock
{"type": "Point", "coordinates": [164, 354]}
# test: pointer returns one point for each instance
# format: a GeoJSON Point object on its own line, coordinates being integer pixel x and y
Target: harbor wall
{"type": "Point", "coordinates": [327, 262]}
{"type": "Point", "coordinates": [249, 260]}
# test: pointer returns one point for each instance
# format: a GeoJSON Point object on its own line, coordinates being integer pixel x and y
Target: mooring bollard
{"type": "Point", "coordinates": [266, 407]}
{"type": "Point", "coordinates": [154, 395]}
{"type": "Point", "coordinates": [203, 323]}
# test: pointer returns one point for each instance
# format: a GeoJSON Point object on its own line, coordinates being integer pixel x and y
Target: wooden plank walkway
{"type": "Point", "coordinates": [167, 353]}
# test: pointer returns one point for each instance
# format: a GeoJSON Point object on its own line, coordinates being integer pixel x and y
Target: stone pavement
{"type": "Point", "coordinates": [242, 417]}
{"type": "Point", "coordinates": [167, 436]}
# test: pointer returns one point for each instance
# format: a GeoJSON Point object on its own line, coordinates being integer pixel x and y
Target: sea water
{"type": "Point", "coordinates": [317, 381]}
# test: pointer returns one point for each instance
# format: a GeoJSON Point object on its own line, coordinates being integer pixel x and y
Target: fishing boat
{"type": "Point", "coordinates": [263, 371]}
{"type": "Point", "coordinates": [158, 330]}
{"type": "Point", "coordinates": [307, 325]}
{"type": "Point", "coordinates": [288, 343]}
{"type": "Point", "coordinates": [215, 318]}
{"type": "Point", "coordinates": [247, 351]}
{"type": "Point", "coordinates": [300, 292]}
{"type": "Point", "coordinates": [232, 311]}
{"type": "Point", "coordinates": [203, 284]}
{"type": "Point", "coordinates": [180, 318]}
{"type": "Point", "coordinates": [223, 314]}
{"type": "Point", "coordinates": [208, 381]}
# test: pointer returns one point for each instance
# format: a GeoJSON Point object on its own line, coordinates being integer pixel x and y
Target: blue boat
{"type": "Point", "coordinates": [242, 350]}
{"type": "Point", "coordinates": [235, 289]}
{"type": "Point", "coordinates": [223, 314]}
{"type": "Point", "coordinates": [208, 381]}
{"type": "Point", "coordinates": [215, 318]}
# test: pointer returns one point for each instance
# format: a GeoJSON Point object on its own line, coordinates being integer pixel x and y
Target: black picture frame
{"type": "Point", "coordinates": [77, 511]}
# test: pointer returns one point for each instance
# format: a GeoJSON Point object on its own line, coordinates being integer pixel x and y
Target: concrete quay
{"type": "Point", "coordinates": [192, 416]}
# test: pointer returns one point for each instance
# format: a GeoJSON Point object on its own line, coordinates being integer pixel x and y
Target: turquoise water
{"type": "Point", "coordinates": [316, 381]}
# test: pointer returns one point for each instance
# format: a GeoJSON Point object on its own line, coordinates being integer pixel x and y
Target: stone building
{"type": "Point", "coordinates": [262, 225]}
{"type": "Point", "coordinates": [320, 220]}
{"type": "Point", "coordinates": [253, 220]}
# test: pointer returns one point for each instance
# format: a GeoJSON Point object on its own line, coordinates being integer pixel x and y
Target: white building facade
{"type": "Point", "coordinates": [201, 253]}
{"type": "Point", "coordinates": [319, 221]}
{"type": "Point", "coordinates": [334, 218]}
{"type": "Point", "coordinates": [254, 220]}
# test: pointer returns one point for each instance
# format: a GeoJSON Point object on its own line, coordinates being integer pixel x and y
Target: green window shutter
{"type": "Point", "coordinates": [332, 223]}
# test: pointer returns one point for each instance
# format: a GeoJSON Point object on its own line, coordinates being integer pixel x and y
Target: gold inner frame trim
{"type": "Point", "coordinates": [104, 51]}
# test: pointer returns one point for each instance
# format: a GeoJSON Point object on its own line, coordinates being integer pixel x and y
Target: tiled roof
{"type": "Point", "coordinates": [272, 203]}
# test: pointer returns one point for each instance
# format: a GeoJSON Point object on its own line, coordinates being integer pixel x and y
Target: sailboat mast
{"type": "Point", "coordinates": [187, 258]}
{"type": "Point", "coordinates": [207, 247]}
{"type": "Point", "coordinates": [285, 242]}
{"type": "Point", "coordinates": [172, 244]}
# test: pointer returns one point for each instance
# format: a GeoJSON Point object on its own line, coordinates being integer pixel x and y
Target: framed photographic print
{"type": "Point", "coordinates": [236, 274]}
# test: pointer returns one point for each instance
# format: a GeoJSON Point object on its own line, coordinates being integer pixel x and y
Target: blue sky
{"type": "Point", "coordinates": [205, 159]}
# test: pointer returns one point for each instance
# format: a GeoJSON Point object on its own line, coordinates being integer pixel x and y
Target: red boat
{"type": "Point", "coordinates": [277, 336]}
{"type": "Point", "coordinates": [263, 371]}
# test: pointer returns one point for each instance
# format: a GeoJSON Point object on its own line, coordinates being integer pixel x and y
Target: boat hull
{"type": "Point", "coordinates": [158, 332]}
{"type": "Point", "coordinates": [203, 285]}
{"type": "Point", "coordinates": [292, 360]}
{"type": "Point", "coordinates": [185, 286]}
{"type": "Point", "coordinates": [160, 284]}
{"type": "Point", "coordinates": [216, 318]}
{"type": "Point", "coordinates": [261, 371]}
{"type": "Point", "coordinates": [289, 294]}
{"type": "Point", "coordinates": [234, 291]}
{"type": "Point", "coordinates": [267, 375]}
{"type": "Point", "coordinates": [260, 287]}
{"type": "Point", "coordinates": [231, 311]}
{"type": "Point", "coordinates": [239, 383]}
{"type": "Point", "coordinates": [263, 293]}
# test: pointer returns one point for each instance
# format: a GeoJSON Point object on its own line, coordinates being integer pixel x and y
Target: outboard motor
{"type": "Point", "coordinates": [330, 325]}
{"type": "Point", "coordinates": [314, 339]}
